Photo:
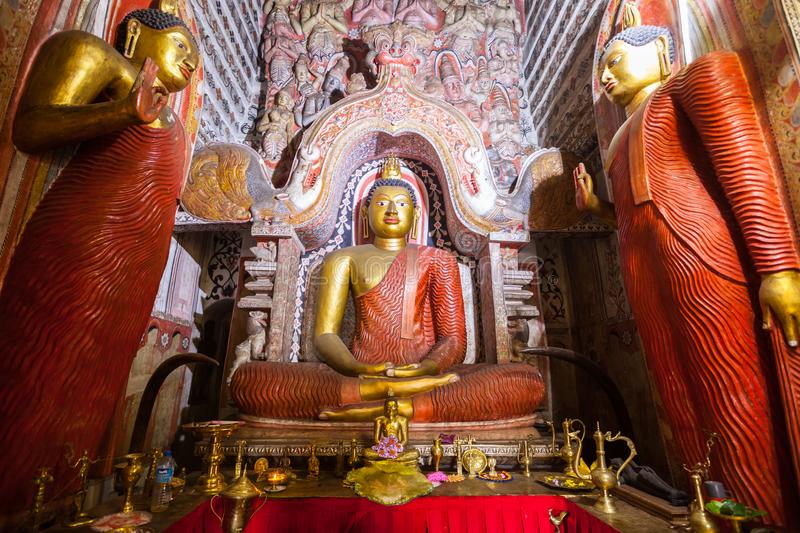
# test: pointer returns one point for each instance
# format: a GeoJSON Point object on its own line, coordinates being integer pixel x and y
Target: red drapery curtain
{"type": "Point", "coordinates": [468, 514]}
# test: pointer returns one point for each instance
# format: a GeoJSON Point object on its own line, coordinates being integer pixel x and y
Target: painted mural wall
{"type": "Point", "coordinates": [763, 31]}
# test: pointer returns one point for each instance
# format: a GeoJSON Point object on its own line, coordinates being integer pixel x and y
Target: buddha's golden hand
{"type": "Point", "coordinates": [146, 100]}
{"type": "Point", "coordinates": [585, 198]}
{"type": "Point", "coordinates": [380, 370]}
{"type": "Point", "coordinates": [426, 367]}
{"type": "Point", "coordinates": [779, 297]}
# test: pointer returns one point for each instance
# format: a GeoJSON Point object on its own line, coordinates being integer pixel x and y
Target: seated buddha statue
{"type": "Point", "coordinates": [409, 341]}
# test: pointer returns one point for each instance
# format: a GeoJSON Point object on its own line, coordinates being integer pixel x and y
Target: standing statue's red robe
{"type": "Point", "coordinates": [430, 298]}
{"type": "Point", "coordinates": [701, 216]}
{"type": "Point", "coordinates": [77, 298]}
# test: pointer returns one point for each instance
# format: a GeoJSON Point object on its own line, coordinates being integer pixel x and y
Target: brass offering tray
{"type": "Point", "coordinates": [498, 476]}
{"type": "Point", "coordinates": [562, 482]}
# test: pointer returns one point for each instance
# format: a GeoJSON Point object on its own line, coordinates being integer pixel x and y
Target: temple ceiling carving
{"type": "Point", "coordinates": [557, 63]}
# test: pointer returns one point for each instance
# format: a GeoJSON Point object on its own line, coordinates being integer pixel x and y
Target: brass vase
{"type": "Point", "coordinates": [567, 452]}
{"type": "Point", "coordinates": [436, 454]}
{"type": "Point", "coordinates": [699, 519]}
{"type": "Point", "coordinates": [603, 477]}
{"type": "Point", "coordinates": [131, 473]}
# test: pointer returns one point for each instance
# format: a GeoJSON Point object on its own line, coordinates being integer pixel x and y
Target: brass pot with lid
{"type": "Point", "coordinates": [236, 508]}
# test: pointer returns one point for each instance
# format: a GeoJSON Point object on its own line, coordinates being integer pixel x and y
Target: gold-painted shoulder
{"type": "Point", "coordinates": [340, 256]}
{"type": "Point", "coordinates": [65, 70]}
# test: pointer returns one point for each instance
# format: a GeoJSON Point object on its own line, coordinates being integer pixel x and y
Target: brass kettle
{"type": "Point", "coordinates": [573, 430]}
{"type": "Point", "coordinates": [603, 477]}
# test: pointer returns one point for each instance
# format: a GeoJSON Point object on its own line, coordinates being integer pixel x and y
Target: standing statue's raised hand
{"type": "Point", "coordinates": [146, 99]}
{"type": "Point", "coordinates": [584, 188]}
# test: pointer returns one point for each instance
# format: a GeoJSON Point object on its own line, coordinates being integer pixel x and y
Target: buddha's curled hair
{"type": "Point", "coordinates": [392, 182]}
{"type": "Point", "coordinates": [152, 18]}
{"type": "Point", "coordinates": [642, 35]}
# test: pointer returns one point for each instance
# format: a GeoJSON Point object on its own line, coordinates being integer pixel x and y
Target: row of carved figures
{"type": "Point", "coordinates": [473, 63]}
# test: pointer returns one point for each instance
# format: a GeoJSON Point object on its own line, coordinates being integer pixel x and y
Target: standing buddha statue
{"type": "Point", "coordinates": [409, 341]}
{"type": "Point", "coordinates": [83, 278]}
{"type": "Point", "coordinates": [705, 243]}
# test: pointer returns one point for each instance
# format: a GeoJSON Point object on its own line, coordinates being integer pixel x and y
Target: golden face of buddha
{"type": "Point", "coordinates": [391, 212]}
{"type": "Point", "coordinates": [626, 69]}
{"type": "Point", "coordinates": [172, 49]}
{"type": "Point", "coordinates": [390, 409]}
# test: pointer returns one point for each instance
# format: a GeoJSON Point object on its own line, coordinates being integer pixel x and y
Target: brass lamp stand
{"type": "Point", "coordinates": [213, 481]}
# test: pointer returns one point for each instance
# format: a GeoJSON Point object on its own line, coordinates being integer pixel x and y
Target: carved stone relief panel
{"type": "Point", "coordinates": [314, 52]}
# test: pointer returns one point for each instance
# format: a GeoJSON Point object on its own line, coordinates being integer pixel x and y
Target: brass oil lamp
{"type": "Point", "coordinates": [437, 451]}
{"type": "Point", "coordinates": [277, 479]}
{"type": "Point", "coordinates": [236, 510]}
{"type": "Point", "coordinates": [603, 477]}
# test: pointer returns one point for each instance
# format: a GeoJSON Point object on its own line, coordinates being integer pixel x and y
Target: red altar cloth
{"type": "Point", "coordinates": [469, 514]}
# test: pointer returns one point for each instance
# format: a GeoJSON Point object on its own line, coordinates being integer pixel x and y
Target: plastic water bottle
{"type": "Point", "coordinates": [162, 492]}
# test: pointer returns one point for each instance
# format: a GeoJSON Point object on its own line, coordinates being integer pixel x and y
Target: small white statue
{"type": "Point", "coordinates": [265, 252]}
{"type": "Point", "coordinates": [252, 348]}
{"type": "Point", "coordinates": [356, 84]}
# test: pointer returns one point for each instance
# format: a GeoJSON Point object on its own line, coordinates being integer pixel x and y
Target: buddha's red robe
{"type": "Point", "coordinates": [701, 215]}
{"type": "Point", "coordinates": [77, 298]}
{"type": "Point", "coordinates": [435, 329]}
